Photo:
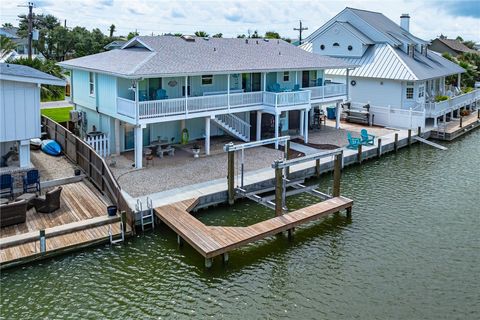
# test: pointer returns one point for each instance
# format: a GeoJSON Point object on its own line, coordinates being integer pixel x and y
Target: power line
{"type": "Point", "coordinates": [300, 29]}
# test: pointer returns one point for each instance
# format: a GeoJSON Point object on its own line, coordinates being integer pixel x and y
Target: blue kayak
{"type": "Point", "coordinates": [51, 147]}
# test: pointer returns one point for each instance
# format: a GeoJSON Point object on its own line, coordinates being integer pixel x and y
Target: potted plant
{"type": "Point", "coordinates": [196, 150]}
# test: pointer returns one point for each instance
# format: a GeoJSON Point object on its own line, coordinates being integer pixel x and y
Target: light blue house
{"type": "Point", "coordinates": [155, 87]}
{"type": "Point", "coordinates": [395, 68]}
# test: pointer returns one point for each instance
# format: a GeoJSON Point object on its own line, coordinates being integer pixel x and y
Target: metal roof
{"type": "Point", "coordinates": [169, 55]}
{"type": "Point", "coordinates": [363, 38]}
{"type": "Point", "coordinates": [21, 73]}
{"type": "Point", "coordinates": [382, 61]}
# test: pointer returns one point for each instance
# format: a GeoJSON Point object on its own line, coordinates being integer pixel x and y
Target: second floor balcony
{"type": "Point", "coordinates": [221, 102]}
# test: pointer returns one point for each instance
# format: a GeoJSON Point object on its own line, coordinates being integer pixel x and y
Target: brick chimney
{"type": "Point", "coordinates": [405, 22]}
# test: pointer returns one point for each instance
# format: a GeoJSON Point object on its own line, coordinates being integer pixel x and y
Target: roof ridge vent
{"type": "Point", "coordinates": [206, 38]}
{"type": "Point", "coordinates": [188, 38]}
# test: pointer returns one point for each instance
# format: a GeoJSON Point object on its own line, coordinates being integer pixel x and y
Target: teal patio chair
{"type": "Point", "coordinates": [353, 143]}
{"type": "Point", "coordinates": [161, 94]}
{"type": "Point", "coordinates": [296, 87]}
{"type": "Point", "coordinates": [367, 139]}
{"type": "Point", "coordinates": [276, 88]}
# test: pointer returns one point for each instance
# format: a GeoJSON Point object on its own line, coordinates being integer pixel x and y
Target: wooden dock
{"type": "Point", "coordinates": [454, 129]}
{"type": "Point", "coordinates": [211, 241]}
{"type": "Point", "coordinates": [80, 221]}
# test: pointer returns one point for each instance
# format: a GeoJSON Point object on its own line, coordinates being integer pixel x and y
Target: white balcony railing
{"type": "Point", "coordinates": [179, 106]}
{"type": "Point", "coordinates": [436, 109]}
{"type": "Point", "coordinates": [126, 107]}
{"type": "Point", "coordinates": [327, 91]}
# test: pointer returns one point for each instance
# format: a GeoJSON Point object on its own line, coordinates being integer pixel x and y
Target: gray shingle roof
{"type": "Point", "coordinates": [9, 70]}
{"type": "Point", "coordinates": [382, 61]}
{"type": "Point", "coordinates": [175, 56]}
{"type": "Point", "coordinates": [456, 45]}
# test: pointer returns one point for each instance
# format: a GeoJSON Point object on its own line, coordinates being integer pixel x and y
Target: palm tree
{"type": "Point", "coordinates": [112, 30]}
{"type": "Point", "coordinates": [6, 46]}
{"type": "Point", "coordinates": [202, 34]}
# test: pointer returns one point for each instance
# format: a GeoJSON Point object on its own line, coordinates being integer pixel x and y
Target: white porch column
{"type": "Point", "coordinates": [302, 118]}
{"type": "Point", "coordinates": [259, 126]}
{"type": "Point", "coordinates": [337, 118]}
{"type": "Point", "coordinates": [305, 123]}
{"type": "Point", "coordinates": [24, 153]}
{"type": "Point", "coordinates": [228, 90]}
{"type": "Point", "coordinates": [277, 123]}
{"type": "Point", "coordinates": [182, 125]}
{"type": "Point", "coordinates": [186, 94]}
{"type": "Point", "coordinates": [207, 135]}
{"type": "Point", "coordinates": [264, 81]}
{"type": "Point", "coordinates": [348, 84]}
{"type": "Point", "coordinates": [434, 122]}
{"type": "Point", "coordinates": [138, 134]}
{"type": "Point", "coordinates": [117, 137]}
{"type": "Point", "coordinates": [459, 81]}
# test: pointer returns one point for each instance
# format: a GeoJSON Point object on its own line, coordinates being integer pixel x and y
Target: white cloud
{"type": "Point", "coordinates": [428, 18]}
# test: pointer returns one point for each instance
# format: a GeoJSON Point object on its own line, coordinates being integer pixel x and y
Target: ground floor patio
{"type": "Point", "coordinates": [183, 169]}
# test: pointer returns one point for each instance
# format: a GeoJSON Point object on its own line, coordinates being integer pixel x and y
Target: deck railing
{"type": "Point", "coordinates": [327, 91]}
{"type": "Point", "coordinates": [93, 165]}
{"type": "Point", "coordinates": [436, 109]}
{"type": "Point", "coordinates": [285, 99]}
{"type": "Point", "coordinates": [126, 107]}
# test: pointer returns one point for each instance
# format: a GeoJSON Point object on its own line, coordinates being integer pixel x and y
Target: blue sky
{"type": "Point", "coordinates": [428, 18]}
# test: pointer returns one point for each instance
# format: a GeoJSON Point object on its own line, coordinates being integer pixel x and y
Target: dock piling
{"type": "Point", "coordinates": [317, 168]}
{"type": "Point", "coordinates": [208, 262]}
{"type": "Point", "coordinates": [461, 121]}
{"type": "Point", "coordinates": [231, 177]}
{"type": "Point", "coordinates": [278, 191]}
{"type": "Point", "coordinates": [287, 148]}
{"type": "Point", "coordinates": [379, 148]}
{"type": "Point", "coordinates": [337, 168]}
{"type": "Point", "coordinates": [359, 154]}
{"type": "Point", "coordinates": [409, 136]}
{"type": "Point", "coordinates": [225, 257]}
{"type": "Point", "coordinates": [419, 132]}
{"type": "Point", "coordinates": [179, 241]}
{"type": "Point", "coordinates": [43, 242]}
{"type": "Point", "coordinates": [395, 143]}
{"type": "Point", "coordinates": [349, 212]}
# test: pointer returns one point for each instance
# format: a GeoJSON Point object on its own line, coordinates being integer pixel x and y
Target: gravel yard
{"type": "Point", "coordinates": [182, 169]}
{"type": "Point", "coordinates": [51, 167]}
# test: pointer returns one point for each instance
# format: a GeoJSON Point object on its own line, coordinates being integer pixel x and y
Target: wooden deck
{"type": "Point", "coordinates": [453, 130]}
{"type": "Point", "coordinates": [80, 221]}
{"type": "Point", "coordinates": [211, 241]}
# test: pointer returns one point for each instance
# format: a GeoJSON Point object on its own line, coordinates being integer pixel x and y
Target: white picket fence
{"type": "Point", "coordinates": [100, 143]}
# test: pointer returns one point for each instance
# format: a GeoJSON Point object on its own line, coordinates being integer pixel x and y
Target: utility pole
{"type": "Point", "coordinates": [30, 29]}
{"type": "Point", "coordinates": [300, 31]}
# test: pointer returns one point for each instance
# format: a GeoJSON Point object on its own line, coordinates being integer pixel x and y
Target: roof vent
{"type": "Point", "coordinates": [206, 38]}
{"type": "Point", "coordinates": [278, 41]}
{"type": "Point", "coordinates": [246, 40]}
{"type": "Point", "coordinates": [266, 40]}
{"type": "Point", "coordinates": [188, 38]}
{"type": "Point", "coordinates": [411, 50]}
{"type": "Point", "coordinates": [214, 49]}
{"type": "Point", "coordinates": [257, 41]}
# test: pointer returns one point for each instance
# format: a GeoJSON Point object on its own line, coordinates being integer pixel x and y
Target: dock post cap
{"type": "Point", "coordinates": [228, 146]}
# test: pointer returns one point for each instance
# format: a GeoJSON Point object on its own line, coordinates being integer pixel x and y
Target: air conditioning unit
{"type": "Point", "coordinates": [74, 115]}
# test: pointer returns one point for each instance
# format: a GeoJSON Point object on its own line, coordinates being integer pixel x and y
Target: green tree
{"type": "Point", "coordinates": [178, 34]}
{"type": "Point", "coordinates": [218, 35]}
{"type": "Point", "coordinates": [6, 46]}
{"type": "Point", "coordinates": [47, 92]}
{"type": "Point", "coordinates": [255, 35]}
{"type": "Point", "coordinates": [111, 30]}
{"type": "Point", "coordinates": [202, 34]}
{"type": "Point", "coordinates": [241, 36]}
{"type": "Point", "coordinates": [272, 35]}
{"type": "Point", "coordinates": [7, 25]}
{"type": "Point", "coordinates": [132, 34]}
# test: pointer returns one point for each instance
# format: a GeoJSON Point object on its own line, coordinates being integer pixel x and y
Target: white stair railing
{"type": "Point", "coordinates": [234, 125]}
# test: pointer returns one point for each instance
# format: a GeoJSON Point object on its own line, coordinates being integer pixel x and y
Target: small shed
{"type": "Point", "coordinates": [20, 108]}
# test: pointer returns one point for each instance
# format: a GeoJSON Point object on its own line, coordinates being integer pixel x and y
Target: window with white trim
{"type": "Point", "coordinates": [286, 76]}
{"type": "Point", "coordinates": [91, 79]}
{"type": "Point", "coordinates": [421, 91]}
{"type": "Point", "coordinates": [207, 80]}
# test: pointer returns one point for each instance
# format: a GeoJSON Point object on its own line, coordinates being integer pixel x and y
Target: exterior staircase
{"type": "Point", "coordinates": [234, 126]}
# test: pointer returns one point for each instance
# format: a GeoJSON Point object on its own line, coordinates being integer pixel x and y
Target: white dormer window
{"type": "Point", "coordinates": [91, 79]}
{"type": "Point", "coordinates": [286, 76]}
{"type": "Point", "coordinates": [207, 80]}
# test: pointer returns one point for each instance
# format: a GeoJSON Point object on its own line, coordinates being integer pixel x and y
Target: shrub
{"type": "Point", "coordinates": [441, 98]}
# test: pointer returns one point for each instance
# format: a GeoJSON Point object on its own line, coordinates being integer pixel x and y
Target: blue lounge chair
{"type": "Point", "coordinates": [353, 143]}
{"type": "Point", "coordinates": [161, 94]}
{"type": "Point", "coordinates": [367, 139]}
{"type": "Point", "coordinates": [6, 185]}
{"type": "Point", "coordinates": [296, 87]}
{"type": "Point", "coordinates": [31, 181]}
{"type": "Point", "coordinates": [276, 88]}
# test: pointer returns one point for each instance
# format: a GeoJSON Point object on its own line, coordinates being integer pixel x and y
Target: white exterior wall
{"type": "Point", "coordinates": [378, 92]}
{"type": "Point", "coordinates": [19, 111]}
{"type": "Point", "coordinates": [338, 34]}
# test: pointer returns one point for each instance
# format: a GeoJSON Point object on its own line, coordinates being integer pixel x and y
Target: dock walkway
{"type": "Point", "coordinates": [211, 241]}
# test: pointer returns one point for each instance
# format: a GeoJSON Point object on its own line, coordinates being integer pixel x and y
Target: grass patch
{"type": "Point", "coordinates": [61, 114]}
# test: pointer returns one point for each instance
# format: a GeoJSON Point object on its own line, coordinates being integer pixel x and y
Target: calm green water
{"type": "Point", "coordinates": [411, 251]}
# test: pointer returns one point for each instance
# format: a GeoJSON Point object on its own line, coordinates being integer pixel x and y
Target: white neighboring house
{"type": "Point", "coordinates": [398, 76]}
{"type": "Point", "coordinates": [20, 107]}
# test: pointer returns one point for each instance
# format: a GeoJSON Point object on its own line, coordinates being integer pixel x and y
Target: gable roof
{"type": "Point", "coordinates": [456, 45]}
{"type": "Point", "coordinates": [390, 30]}
{"type": "Point", "coordinates": [21, 73]}
{"type": "Point", "coordinates": [383, 61]}
{"type": "Point", "coordinates": [151, 56]}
